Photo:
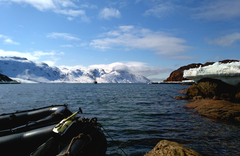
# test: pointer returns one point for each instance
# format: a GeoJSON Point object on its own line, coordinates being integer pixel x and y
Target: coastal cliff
{"type": "Point", "coordinates": [177, 75]}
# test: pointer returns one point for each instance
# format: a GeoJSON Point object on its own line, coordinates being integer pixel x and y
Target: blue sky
{"type": "Point", "coordinates": [147, 37]}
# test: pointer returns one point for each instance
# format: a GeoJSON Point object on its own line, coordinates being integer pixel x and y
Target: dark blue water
{"type": "Point", "coordinates": [137, 116]}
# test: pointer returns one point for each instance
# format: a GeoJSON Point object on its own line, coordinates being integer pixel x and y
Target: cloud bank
{"type": "Point", "coordinates": [138, 68]}
{"type": "Point", "coordinates": [218, 10]}
{"type": "Point", "coordinates": [51, 56]}
{"type": "Point", "coordinates": [64, 7]}
{"type": "Point", "coordinates": [227, 40]}
{"type": "Point", "coordinates": [140, 38]}
{"type": "Point", "coordinates": [160, 10]}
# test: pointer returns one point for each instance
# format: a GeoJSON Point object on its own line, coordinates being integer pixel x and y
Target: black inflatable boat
{"type": "Point", "coordinates": [50, 131]}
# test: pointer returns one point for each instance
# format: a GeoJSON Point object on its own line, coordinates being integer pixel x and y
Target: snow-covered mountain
{"type": "Point", "coordinates": [25, 70]}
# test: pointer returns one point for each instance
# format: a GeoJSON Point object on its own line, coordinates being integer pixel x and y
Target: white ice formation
{"type": "Point", "coordinates": [228, 73]}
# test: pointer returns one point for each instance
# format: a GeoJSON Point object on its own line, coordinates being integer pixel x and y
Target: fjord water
{"type": "Point", "coordinates": [136, 116]}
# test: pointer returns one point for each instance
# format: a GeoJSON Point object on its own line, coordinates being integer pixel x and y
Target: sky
{"type": "Point", "coordinates": [147, 37]}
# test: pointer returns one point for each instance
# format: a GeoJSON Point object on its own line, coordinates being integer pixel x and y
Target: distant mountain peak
{"type": "Point", "coordinates": [22, 68]}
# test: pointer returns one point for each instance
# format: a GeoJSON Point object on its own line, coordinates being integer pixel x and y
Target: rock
{"type": "Point", "coordinates": [216, 98]}
{"type": "Point", "coordinates": [237, 97]}
{"type": "Point", "coordinates": [193, 91]}
{"type": "Point", "coordinates": [216, 109]}
{"type": "Point", "coordinates": [185, 98]}
{"type": "Point", "coordinates": [197, 98]}
{"type": "Point", "coordinates": [183, 91]}
{"type": "Point", "coordinates": [169, 148]}
{"type": "Point", "coordinates": [177, 97]}
{"type": "Point", "coordinates": [213, 89]}
{"type": "Point", "coordinates": [4, 78]}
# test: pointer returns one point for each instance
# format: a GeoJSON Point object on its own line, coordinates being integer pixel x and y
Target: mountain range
{"type": "Point", "coordinates": [27, 71]}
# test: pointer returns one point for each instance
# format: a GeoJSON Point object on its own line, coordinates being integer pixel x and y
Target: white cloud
{"type": "Point", "coordinates": [57, 6]}
{"type": "Point", "coordinates": [182, 57]}
{"type": "Point", "coordinates": [227, 40]}
{"type": "Point", "coordinates": [86, 5]}
{"type": "Point", "coordinates": [35, 55]}
{"type": "Point", "coordinates": [8, 40]}
{"type": "Point", "coordinates": [71, 12]}
{"type": "Point", "coordinates": [67, 45]}
{"type": "Point", "coordinates": [140, 38]}
{"type": "Point", "coordinates": [41, 53]}
{"type": "Point", "coordinates": [74, 13]}
{"type": "Point", "coordinates": [218, 10]}
{"type": "Point", "coordinates": [138, 68]}
{"type": "Point", "coordinates": [108, 13]}
{"type": "Point", "coordinates": [39, 4]}
{"type": "Point", "coordinates": [62, 35]}
{"type": "Point", "coordinates": [160, 10]}
{"type": "Point", "coordinates": [126, 28]}
{"type": "Point", "coordinates": [70, 18]}
{"type": "Point", "coordinates": [43, 5]}
{"type": "Point", "coordinates": [16, 53]}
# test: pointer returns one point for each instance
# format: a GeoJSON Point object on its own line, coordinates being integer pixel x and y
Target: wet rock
{"type": "Point", "coordinates": [216, 98]}
{"type": "Point", "coordinates": [197, 98]}
{"type": "Point", "coordinates": [169, 148]}
{"type": "Point", "coordinates": [178, 97]}
{"type": "Point", "coordinates": [237, 97]}
{"type": "Point", "coordinates": [193, 91]}
{"type": "Point", "coordinates": [216, 109]}
{"type": "Point", "coordinates": [213, 89]}
{"type": "Point", "coordinates": [185, 98]}
{"type": "Point", "coordinates": [183, 91]}
{"type": "Point", "coordinates": [181, 97]}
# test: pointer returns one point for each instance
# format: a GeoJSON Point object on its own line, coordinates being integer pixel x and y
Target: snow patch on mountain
{"type": "Point", "coordinates": [25, 70]}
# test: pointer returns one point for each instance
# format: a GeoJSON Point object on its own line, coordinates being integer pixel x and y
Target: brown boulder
{"type": "Point", "coordinates": [216, 109]}
{"type": "Point", "coordinates": [213, 89]}
{"type": "Point", "coordinates": [177, 97]}
{"type": "Point", "coordinates": [169, 148]}
{"type": "Point", "coordinates": [183, 91]}
{"type": "Point", "coordinates": [237, 97]}
{"type": "Point", "coordinates": [193, 91]}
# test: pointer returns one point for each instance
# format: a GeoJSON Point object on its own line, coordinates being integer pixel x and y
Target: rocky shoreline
{"type": "Point", "coordinates": [211, 98]}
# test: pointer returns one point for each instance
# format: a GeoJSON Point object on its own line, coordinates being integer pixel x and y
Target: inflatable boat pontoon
{"type": "Point", "coordinates": [50, 131]}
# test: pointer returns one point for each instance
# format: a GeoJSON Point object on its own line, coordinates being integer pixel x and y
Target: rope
{"type": "Point", "coordinates": [112, 139]}
{"type": "Point", "coordinates": [68, 152]}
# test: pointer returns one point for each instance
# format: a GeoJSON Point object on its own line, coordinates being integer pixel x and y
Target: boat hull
{"type": "Point", "coordinates": [38, 139]}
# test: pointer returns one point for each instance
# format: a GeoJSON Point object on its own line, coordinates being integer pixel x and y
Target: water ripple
{"type": "Point", "coordinates": [137, 116]}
